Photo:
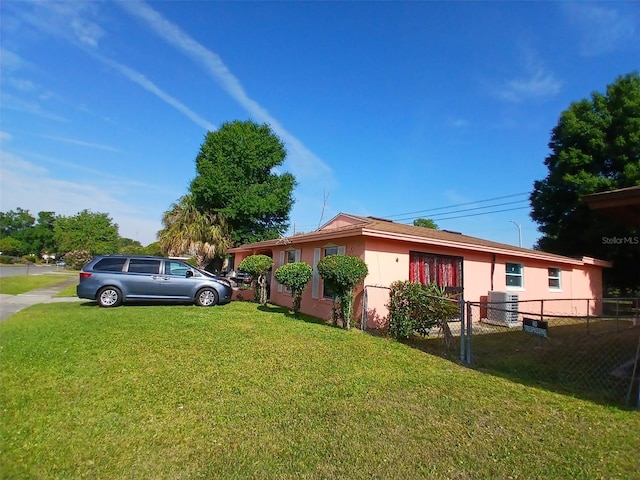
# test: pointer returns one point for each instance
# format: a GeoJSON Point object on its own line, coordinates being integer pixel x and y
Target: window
{"type": "Point", "coordinates": [554, 278]}
{"type": "Point", "coordinates": [290, 256]}
{"type": "Point", "coordinates": [138, 265]}
{"type": "Point", "coordinates": [444, 271]}
{"type": "Point", "coordinates": [318, 253]}
{"type": "Point", "coordinates": [514, 275]}
{"type": "Point", "coordinates": [176, 268]}
{"type": "Point", "coordinates": [110, 264]}
{"type": "Point", "coordinates": [326, 252]}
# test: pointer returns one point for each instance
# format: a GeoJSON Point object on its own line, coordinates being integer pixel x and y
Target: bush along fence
{"type": "Point", "coordinates": [593, 353]}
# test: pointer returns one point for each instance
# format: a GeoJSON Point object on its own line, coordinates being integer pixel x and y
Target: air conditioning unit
{"type": "Point", "coordinates": [502, 309]}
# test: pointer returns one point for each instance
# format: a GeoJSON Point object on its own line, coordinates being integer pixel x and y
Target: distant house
{"type": "Point", "coordinates": [394, 251]}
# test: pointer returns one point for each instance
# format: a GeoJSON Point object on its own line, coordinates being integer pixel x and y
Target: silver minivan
{"type": "Point", "coordinates": [113, 279]}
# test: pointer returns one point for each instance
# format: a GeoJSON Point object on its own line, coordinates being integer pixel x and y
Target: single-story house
{"type": "Point", "coordinates": [395, 251]}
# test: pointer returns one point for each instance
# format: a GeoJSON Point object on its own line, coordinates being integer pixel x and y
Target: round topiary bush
{"type": "Point", "coordinates": [295, 276]}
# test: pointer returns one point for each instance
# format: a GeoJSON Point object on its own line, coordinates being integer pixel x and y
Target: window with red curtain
{"type": "Point", "coordinates": [443, 270]}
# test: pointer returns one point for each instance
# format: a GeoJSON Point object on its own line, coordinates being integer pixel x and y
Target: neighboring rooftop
{"type": "Point", "coordinates": [622, 204]}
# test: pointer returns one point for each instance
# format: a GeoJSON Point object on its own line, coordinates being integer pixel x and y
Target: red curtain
{"type": "Point", "coordinates": [443, 270]}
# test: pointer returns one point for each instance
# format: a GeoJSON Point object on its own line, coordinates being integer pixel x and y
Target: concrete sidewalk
{"type": "Point", "coordinates": [10, 304]}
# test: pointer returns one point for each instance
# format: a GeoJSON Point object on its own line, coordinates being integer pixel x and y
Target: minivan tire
{"type": "Point", "coordinates": [207, 297]}
{"type": "Point", "coordinates": [109, 297]}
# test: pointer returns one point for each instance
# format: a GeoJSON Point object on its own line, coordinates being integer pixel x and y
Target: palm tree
{"type": "Point", "coordinates": [189, 231]}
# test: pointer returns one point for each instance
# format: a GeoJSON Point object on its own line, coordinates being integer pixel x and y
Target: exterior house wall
{"type": "Point", "coordinates": [387, 255]}
{"type": "Point", "coordinates": [310, 304]}
{"type": "Point", "coordinates": [388, 261]}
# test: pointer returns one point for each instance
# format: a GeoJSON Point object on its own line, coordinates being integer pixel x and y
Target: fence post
{"type": "Point", "coordinates": [589, 314]}
{"type": "Point", "coordinates": [462, 327]}
{"type": "Point", "coordinates": [469, 334]}
{"type": "Point", "coordinates": [542, 310]}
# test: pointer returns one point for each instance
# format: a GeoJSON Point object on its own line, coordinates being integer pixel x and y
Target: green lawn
{"type": "Point", "coordinates": [242, 391]}
{"type": "Point", "coordinates": [25, 283]}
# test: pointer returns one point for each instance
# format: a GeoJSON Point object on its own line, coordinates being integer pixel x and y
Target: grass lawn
{"type": "Point", "coordinates": [69, 291]}
{"type": "Point", "coordinates": [242, 391]}
{"type": "Point", "coordinates": [25, 283]}
{"type": "Point", "coordinates": [577, 358]}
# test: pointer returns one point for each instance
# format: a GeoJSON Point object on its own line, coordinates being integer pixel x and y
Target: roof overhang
{"type": "Point", "coordinates": [622, 204]}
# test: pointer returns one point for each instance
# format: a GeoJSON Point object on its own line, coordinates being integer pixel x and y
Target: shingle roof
{"type": "Point", "coordinates": [374, 227]}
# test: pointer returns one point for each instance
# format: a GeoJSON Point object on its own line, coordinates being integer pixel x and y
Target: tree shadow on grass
{"type": "Point", "coordinates": [287, 312]}
{"type": "Point", "coordinates": [569, 362]}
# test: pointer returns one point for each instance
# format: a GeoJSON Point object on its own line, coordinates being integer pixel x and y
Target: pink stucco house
{"type": "Point", "coordinates": [394, 251]}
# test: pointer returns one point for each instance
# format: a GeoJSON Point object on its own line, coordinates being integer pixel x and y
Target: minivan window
{"type": "Point", "coordinates": [176, 268]}
{"type": "Point", "coordinates": [139, 265]}
{"type": "Point", "coordinates": [110, 265]}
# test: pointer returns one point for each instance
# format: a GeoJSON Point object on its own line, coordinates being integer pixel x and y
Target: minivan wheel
{"type": "Point", "coordinates": [109, 297]}
{"type": "Point", "coordinates": [207, 297]}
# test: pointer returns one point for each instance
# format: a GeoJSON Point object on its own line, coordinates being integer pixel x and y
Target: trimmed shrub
{"type": "Point", "coordinates": [295, 276]}
{"type": "Point", "coordinates": [341, 273]}
{"type": "Point", "coordinates": [258, 266]}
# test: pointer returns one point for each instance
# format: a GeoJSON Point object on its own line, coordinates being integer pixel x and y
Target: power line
{"type": "Point", "coordinates": [484, 213]}
{"type": "Point", "coordinates": [465, 210]}
{"type": "Point", "coordinates": [405, 217]}
{"type": "Point", "coordinates": [456, 205]}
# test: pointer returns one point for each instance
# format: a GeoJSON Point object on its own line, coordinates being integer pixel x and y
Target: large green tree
{"type": "Point", "coordinates": [237, 179]}
{"type": "Point", "coordinates": [91, 231]}
{"type": "Point", "coordinates": [40, 238]}
{"type": "Point", "coordinates": [426, 223]}
{"type": "Point", "coordinates": [35, 238]}
{"type": "Point", "coordinates": [595, 147]}
{"type": "Point", "coordinates": [14, 221]}
{"type": "Point", "coordinates": [190, 231]}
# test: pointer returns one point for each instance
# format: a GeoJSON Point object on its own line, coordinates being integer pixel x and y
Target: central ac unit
{"type": "Point", "coordinates": [502, 309]}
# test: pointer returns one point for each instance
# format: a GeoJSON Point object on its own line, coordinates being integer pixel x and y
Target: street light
{"type": "Point", "coordinates": [519, 232]}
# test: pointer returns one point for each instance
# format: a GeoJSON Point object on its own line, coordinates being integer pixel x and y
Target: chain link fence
{"type": "Point", "coordinates": [591, 353]}
{"type": "Point", "coordinates": [589, 348]}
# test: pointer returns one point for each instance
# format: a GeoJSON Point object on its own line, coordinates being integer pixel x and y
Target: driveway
{"type": "Point", "coordinates": [10, 304]}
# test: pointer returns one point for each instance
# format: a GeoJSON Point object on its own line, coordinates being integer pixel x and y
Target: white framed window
{"type": "Point", "coordinates": [555, 278]}
{"type": "Point", "coordinates": [514, 277]}
{"type": "Point", "coordinates": [288, 256]}
{"type": "Point", "coordinates": [319, 253]}
{"type": "Point", "coordinates": [326, 252]}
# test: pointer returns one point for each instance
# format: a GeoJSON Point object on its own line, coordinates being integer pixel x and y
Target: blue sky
{"type": "Point", "coordinates": [391, 109]}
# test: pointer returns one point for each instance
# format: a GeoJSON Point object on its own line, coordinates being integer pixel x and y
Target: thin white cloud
{"type": "Point", "coordinates": [81, 143]}
{"type": "Point", "coordinates": [151, 87]}
{"type": "Point", "coordinates": [30, 186]}
{"type": "Point", "coordinates": [11, 102]}
{"type": "Point", "coordinates": [457, 122]}
{"type": "Point", "coordinates": [117, 183]}
{"type": "Point", "coordinates": [603, 27]}
{"type": "Point", "coordinates": [304, 162]}
{"type": "Point", "coordinates": [11, 61]}
{"type": "Point", "coordinates": [535, 82]}
{"type": "Point", "coordinates": [72, 21]}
